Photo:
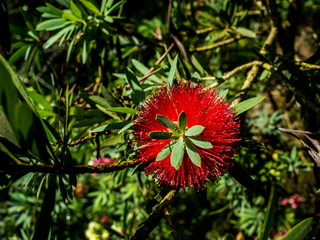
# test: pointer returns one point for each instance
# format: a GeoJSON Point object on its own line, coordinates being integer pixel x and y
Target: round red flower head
{"type": "Point", "coordinates": [186, 135]}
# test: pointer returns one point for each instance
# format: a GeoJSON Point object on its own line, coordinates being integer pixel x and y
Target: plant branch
{"type": "Point", "coordinates": [215, 45]}
{"type": "Point", "coordinates": [253, 73]}
{"type": "Point", "coordinates": [237, 70]}
{"type": "Point", "coordinates": [154, 218]}
{"type": "Point", "coordinates": [72, 169]}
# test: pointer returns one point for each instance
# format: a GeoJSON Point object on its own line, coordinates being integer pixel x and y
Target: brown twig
{"type": "Point", "coordinates": [154, 218]}
{"type": "Point", "coordinates": [72, 169]}
{"type": "Point", "coordinates": [215, 45]}
{"type": "Point", "coordinates": [237, 70]}
{"type": "Point", "coordinates": [253, 73]}
{"type": "Point", "coordinates": [174, 232]}
{"type": "Point", "coordinates": [151, 71]}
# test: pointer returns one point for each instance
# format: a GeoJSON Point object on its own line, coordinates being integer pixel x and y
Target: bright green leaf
{"type": "Point", "coordinates": [129, 125]}
{"type": "Point", "coordinates": [223, 93]}
{"type": "Point", "coordinates": [160, 135]}
{"type": "Point", "coordinates": [90, 6]}
{"type": "Point", "coordinates": [201, 142]}
{"type": "Point", "coordinates": [165, 152]}
{"type": "Point", "coordinates": [75, 9]}
{"type": "Point", "coordinates": [247, 104]}
{"type": "Point", "coordinates": [52, 24]}
{"type": "Point", "coordinates": [164, 121]}
{"type": "Point", "coordinates": [195, 130]}
{"type": "Point", "coordinates": [182, 121]}
{"type": "Point", "coordinates": [70, 16]}
{"type": "Point", "coordinates": [177, 154]}
{"type": "Point", "coordinates": [172, 70]}
{"type": "Point", "coordinates": [193, 153]}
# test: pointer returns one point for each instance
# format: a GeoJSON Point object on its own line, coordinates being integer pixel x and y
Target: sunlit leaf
{"type": "Point", "coordinates": [194, 130]}
{"type": "Point", "coordinates": [193, 153]}
{"type": "Point", "coordinates": [165, 152]}
{"type": "Point", "coordinates": [247, 104]}
{"type": "Point", "coordinates": [201, 142]}
{"type": "Point", "coordinates": [172, 70]}
{"type": "Point", "coordinates": [177, 154]}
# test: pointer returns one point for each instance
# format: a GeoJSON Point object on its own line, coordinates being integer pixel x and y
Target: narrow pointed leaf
{"type": "Point", "coordinates": [123, 110]}
{"type": "Point", "coordinates": [199, 142]}
{"type": "Point", "coordinates": [299, 231]}
{"type": "Point", "coordinates": [182, 121]}
{"type": "Point", "coordinates": [177, 154]}
{"type": "Point", "coordinates": [195, 130]}
{"type": "Point", "coordinates": [75, 9]}
{"type": "Point", "coordinates": [269, 218]}
{"type": "Point", "coordinates": [165, 152]}
{"type": "Point", "coordinates": [247, 104]}
{"type": "Point", "coordinates": [90, 6]}
{"type": "Point", "coordinates": [172, 70]}
{"type": "Point", "coordinates": [160, 135]}
{"type": "Point", "coordinates": [193, 153]}
{"type": "Point", "coordinates": [223, 93]}
{"type": "Point", "coordinates": [164, 121]}
{"type": "Point", "coordinates": [135, 85]}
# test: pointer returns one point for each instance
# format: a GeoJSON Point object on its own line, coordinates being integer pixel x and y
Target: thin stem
{"type": "Point", "coordinates": [72, 169]}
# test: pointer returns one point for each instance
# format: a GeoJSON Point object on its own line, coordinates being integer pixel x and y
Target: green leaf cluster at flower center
{"type": "Point", "coordinates": [183, 140]}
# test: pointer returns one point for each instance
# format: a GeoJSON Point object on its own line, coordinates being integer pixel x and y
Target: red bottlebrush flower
{"type": "Point", "coordinates": [186, 135]}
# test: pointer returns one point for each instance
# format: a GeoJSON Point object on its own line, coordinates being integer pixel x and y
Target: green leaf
{"type": "Point", "coordinates": [164, 121]}
{"type": "Point", "coordinates": [201, 142]}
{"type": "Point", "coordinates": [52, 24]}
{"type": "Point", "coordinates": [165, 152]}
{"type": "Point", "coordinates": [111, 126]}
{"type": "Point", "coordinates": [52, 40]}
{"type": "Point", "coordinates": [299, 231]}
{"type": "Point", "coordinates": [90, 6]}
{"type": "Point", "coordinates": [182, 121]}
{"type": "Point", "coordinates": [195, 130]}
{"type": "Point", "coordinates": [135, 85]}
{"type": "Point", "coordinates": [123, 110]}
{"type": "Point", "coordinates": [172, 70]}
{"type": "Point", "coordinates": [115, 7]}
{"type": "Point", "coordinates": [129, 125]}
{"type": "Point", "coordinates": [45, 219]}
{"type": "Point", "coordinates": [70, 16]}
{"type": "Point", "coordinates": [6, 130]}
{"type": "Point", "coordinates": [107, 95]}
{"type": "Point", "coordinates": [160, 135]}
{"type": "Point", "coordinates": [84, 51]}
{"type": "Point", "coordinates": [54, 10]}
{"type": "Point", "coordinates": [246, 32]}
{"type": "Point", "coordinates": [75, 9]}
{"type": "Point", "coordinates": [100, 100]}
{"type": "Point", "coordinates": [247, 104]}
{"type": "Point", "coordinates": [143, 69]}
{"type": "Point", "coordinates": [223, 93]}
{"type": "Point", "coordinates": [177, 154]}
{"type": "Point", "coordinates": [193, 153]}
{"type": "Point", "coordinates": [269, 218]}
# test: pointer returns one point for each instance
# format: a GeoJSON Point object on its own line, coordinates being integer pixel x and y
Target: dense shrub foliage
{"type": "Point", "coordinates": [76, 78]}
